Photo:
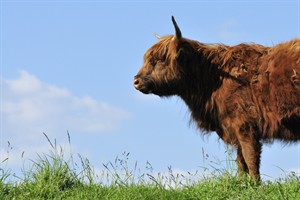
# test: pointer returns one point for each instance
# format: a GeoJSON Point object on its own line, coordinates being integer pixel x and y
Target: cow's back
{"type": "Point", "coordinates": [280, 90]}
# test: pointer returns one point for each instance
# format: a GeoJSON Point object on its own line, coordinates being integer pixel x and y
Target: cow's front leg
{"type": "Point", "coordinates": [242, 166]}
{"type": "Point", "coordinates": [250, 152]}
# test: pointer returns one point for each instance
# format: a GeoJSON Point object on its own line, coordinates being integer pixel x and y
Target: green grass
{"type": "Point", "coordinates": [53, 176]}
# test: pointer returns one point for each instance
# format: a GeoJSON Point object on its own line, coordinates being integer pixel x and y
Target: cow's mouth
{"type": "Point", "coordinates": [144, 90]}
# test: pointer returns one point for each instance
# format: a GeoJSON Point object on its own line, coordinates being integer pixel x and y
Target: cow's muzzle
{"type": "Point", "coordinates": [140, 85]}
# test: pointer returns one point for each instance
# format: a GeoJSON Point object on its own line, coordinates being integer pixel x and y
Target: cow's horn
{"type": "Point", "coordinates": [157, 36]}
{"type": "Point", "coordinates": [177, 30]}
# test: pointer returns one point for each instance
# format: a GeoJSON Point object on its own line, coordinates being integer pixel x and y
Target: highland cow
{"type": "Point", "coordinates": [248, 94]}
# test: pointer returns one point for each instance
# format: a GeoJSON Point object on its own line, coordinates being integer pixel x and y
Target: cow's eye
{"type": "Point", "coordinates": [152, 62]}
{"type": "Point", "coordinates": [157, 63]}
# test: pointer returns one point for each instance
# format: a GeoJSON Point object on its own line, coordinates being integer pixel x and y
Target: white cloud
{"type": "Point", "coordinates": [30, 107]}
{"type": "Point", "coordinates": [28, 102]}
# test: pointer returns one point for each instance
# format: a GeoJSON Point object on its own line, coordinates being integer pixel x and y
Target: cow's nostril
{"type": "Point", "coordinates": [136, 81]}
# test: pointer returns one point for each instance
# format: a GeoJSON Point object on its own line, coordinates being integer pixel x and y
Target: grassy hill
{"type": "Point", "coordinates": [53, 176]}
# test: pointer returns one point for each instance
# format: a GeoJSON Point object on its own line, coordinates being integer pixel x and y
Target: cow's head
{"type": "Point", "coordinates": [162, 72]}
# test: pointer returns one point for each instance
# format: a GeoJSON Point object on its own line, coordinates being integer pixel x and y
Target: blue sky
{"type": "Point", "coordinates": [69, 65]}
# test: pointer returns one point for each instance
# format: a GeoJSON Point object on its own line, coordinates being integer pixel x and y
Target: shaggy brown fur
{"type": "Point", "coordinates": [247, 93]}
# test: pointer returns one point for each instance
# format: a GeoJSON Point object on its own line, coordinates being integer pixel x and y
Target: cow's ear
{"type": "Point", "coordinates": [177, 35]}
{"type": "Point", "coordinates": [183, 54]}
{"type": "Point", "coordinates": [180, 54]}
